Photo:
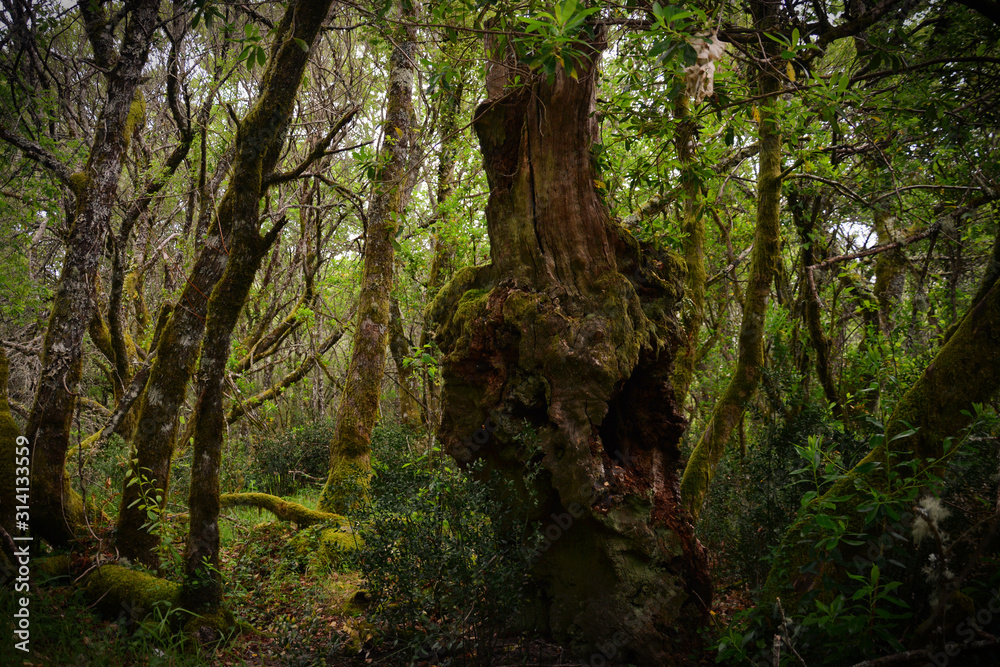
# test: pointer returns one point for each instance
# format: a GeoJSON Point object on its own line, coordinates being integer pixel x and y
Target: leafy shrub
{"type": "Point", "coordinates": [283, 464]}
{"type": "Point", "coordinates": [880, 560]}
{"type": "Point", "coordinates": [444, 570]}
{"type": "Point", "coordinates": [754, 498]}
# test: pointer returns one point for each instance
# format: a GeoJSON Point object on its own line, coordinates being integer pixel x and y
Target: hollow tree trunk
{"type": "Point", "coordinates": [57, 512]}
{"type": "Point", "coordinates": [258, 141]}
{"type": "Point", "coordinates": [350, 449]}
{"type": "Point", "coordinates": [569, 336]}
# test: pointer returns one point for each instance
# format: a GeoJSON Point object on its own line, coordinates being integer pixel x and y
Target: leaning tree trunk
{"type": "Point", "coordinates": [57, 512]}
{"type": "Point", "coordinates": [562, 350]}
{"type": "Point", "coordinates": [743, 382]}
{"type": "Point", "coordinates": [965, 371]}
{"type": "Point", "coordinates": [350, 449]}
{"type": "Point", "coordinates": [258, 142]}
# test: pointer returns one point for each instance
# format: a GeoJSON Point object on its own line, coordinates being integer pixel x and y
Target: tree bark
{"type": "Point", "coordinates": [350, 460]}
{"type": "Point", "coordinates": [743, 383]}
{"type": "Point", "coordinates": [259, 139]}
{"type": "Point", "coordinates": [399, 346]}
{"type": "Point", "coordinates": [693, 226]}
{"type": "Point", "coordinates": [8, 446]}
{"type": "Point", "coordinates": [561, 351]}
{"type": "Point", "coordinates": [57, 510]}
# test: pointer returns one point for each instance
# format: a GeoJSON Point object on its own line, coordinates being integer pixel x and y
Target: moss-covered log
{"type": "Point", "coordinates": [300, 515]}
{"type": "Point", "coordinates": [115, 588]}
{"type": "Point", "coordinates": [560, 353]}
{"type": "Point", "coordinates": [350, 449]}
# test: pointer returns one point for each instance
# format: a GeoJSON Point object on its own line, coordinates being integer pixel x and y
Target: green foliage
{"type": "Point", "coordinates": [754, 498]}
{"type": "Point", "coordinates": [169, 548]}
{"type": "Point", "coordinates": [286, 462]}
{"type": "Point", "coordinates": [442, 557]}
{"type": "Point", "coordinates": [896, 571]}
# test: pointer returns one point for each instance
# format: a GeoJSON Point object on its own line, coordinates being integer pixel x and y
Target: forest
{"type": "Point", "coordinates": [500, 332]}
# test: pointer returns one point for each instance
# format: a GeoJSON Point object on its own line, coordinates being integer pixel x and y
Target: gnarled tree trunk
{"type": "Point", "coordinates": [562, 350]}
{"type": "Point", "coordinates": [57, 512]}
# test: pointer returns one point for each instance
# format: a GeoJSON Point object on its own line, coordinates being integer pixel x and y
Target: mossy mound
{"type": "Point", "coordinates": [323, 548]}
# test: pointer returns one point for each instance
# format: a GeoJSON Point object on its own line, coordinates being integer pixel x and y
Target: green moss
{"type": "Point", "coordinates": [346, 486]}
{"type": "Point", "coordinates": [113, 588]}
{"type": "Point", "coordinates": [79, 182]}
{"type": "Point", "coordinates": [8, 443]}
{"type": "Point", "coordinates": [136, 117]}
{"type": "Point", "coordinates": [283, 509]}
{"type": "Point", "coordinates": [51, 568]}
{"type": "Point", "coordinates": [323, 549]}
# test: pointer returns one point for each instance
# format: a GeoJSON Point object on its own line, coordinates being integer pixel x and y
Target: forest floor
{"type": "Point", "coordinates": [290, 616]}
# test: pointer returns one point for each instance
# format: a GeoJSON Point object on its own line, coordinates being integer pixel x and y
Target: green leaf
{"type": "Point", "coordinates": [302, 44]}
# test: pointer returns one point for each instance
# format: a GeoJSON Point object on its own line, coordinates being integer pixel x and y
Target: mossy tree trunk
{"type": "Point", "coordinates": [965, 371]}
{"type": "Point", "coordinates": [805, 214]}
{"type": "Point", "coordinates": [890, 272]}
{"type": "Point", "coordinates": [57, 513]}
{"type": "Point", "coordinates": [259, 139]}
{"type": "Point", "coordinates": [745, 377]}
{"type": "Point", "coordinates": [443, 261]}
{"type": "Point", "coordinates": [693, 226]}
{"type": "Point", "coordinates": [350, 460]}
{"type": "Point", "coordinates": [8, 446]}
{"type": "Point", "coordinates": [560, 353]}
{"type": "Point", "coordinates": [399, 346]}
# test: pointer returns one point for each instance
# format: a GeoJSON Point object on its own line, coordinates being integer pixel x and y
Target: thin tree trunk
{"type": "Point", "coordinates": [805, 223]}
{"type": "Point", "coordinates": [57, 511]}
{"type": "Point", "coordinates": [693, 227]}
{"type": "Point", "coordinates": [399, 346]}
{"type": "Point", "coordinates": [350, 462]}
{"type": "Point", "coordinates": [259, 139]}
{"type": "Point", "coordinates": [763, 266]}
{"type": "Point", "coordinates": [443, 262]}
